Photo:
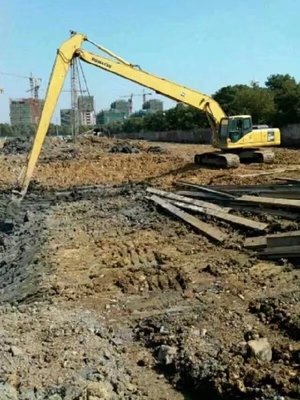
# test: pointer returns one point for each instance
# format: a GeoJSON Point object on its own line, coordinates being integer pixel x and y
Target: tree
{"type": "Point", "coordinates": [243, 99]}
{"type": "Point", "coordinates": [185, 118]}
{"type": "Point", "coordinates": [6, 130]}
{"type": "Point", "coordinates": [258, 102]}
{"type": "Point", "coordinates": [278, 82]}
{"type": "Point", "coordinates": [155, 122]}
{"type": "Point", "coordinates": [286, 92]}
{"type": "Point", "coordinates": [226, 97]}
{"type": "Point", "coordinates": [133, 125]}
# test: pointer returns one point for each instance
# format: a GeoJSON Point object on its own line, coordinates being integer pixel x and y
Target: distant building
{"type": "Point", "coordinates": [65, 117]}
{"type": "Point", "coordinates": [86, 103]}
{"type": "Point", "coordinates": [121, 105]}
{"type": "Point", "coordinates": [86, 108]}
{"type": "Point", "coordinates": [25, 111]}
{"type": "Point", "coordinates": [106, 116]}
{"type": "Point", "coordinates": [153, 105]}
{"type": "Point", "coordinates": [87, 118]}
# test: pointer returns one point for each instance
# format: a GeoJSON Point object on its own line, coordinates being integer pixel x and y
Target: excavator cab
{"type": "Point", "coordinates": [233, 129]}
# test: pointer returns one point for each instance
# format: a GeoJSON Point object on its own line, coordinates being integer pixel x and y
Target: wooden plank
{"type": "Point", "coordinates": [292, 194]}
{"type": "Point", "coordinates": [205, 196]}
{"type": "Point", "coordinates": [263, 210]}
{"type": "Point", "coordinates": [249, 223]}
{"type": "Point", "coordinates": [280, 252]}
{"type": "Point", "coordinates": [254, 243]}
{"type": "Point", "coordinates": [250, 188]}
{"type": "Point", "coordinates": [252, 208]}
{"type": "Point", "coordinates": [203, 227]}
{"type": "Point", "coordinates": [174, 196]}
{"type": "Point", "coordinates": [200, 195]}
{"type": "Point", "coordinates": [206, 189]}
{"type": "Point", "coordinates": [284, 239]}
{"type": "Point", "coordinates": [209, 198]}
{"type": "Point", "coordinates": [289, 180]}
{"type": "Point", "coordinates": [274, 171]}
{"type": "Point", "coordinates": [269, 201]}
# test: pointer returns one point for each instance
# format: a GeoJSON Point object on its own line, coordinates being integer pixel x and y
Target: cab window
{"type": "Point", "coordinates": [246, 124]}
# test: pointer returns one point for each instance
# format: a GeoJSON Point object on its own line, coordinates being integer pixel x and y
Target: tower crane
{"type": "Point", "coordinates": [131, 99]}
{"type": "Point", "coordinates": [69, 91]}
{"type": "Point", "coordinates": [34, 82]}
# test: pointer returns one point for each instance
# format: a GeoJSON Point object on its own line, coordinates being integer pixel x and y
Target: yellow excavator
{"type": "Point", "coordinates": [234, 136]}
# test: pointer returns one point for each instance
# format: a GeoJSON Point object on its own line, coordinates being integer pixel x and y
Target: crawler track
{"type": "Point", "coordinates": [217, 160]}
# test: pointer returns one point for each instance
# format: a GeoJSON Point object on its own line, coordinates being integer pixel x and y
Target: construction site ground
{"type": "Point", "coordinates": [105, 296]}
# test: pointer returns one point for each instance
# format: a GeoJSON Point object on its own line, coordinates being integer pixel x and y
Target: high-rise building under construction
{"type": "Point", "coordinates": [65, 116]}
{"type": "Point", "coordinates": [86, 109]}
{"type": "Point", "coordinates": [122, 106]}
{"type": "Point", "coordinates": [153, 105]}
{"type": "Point", "coordinates": [25, 111]}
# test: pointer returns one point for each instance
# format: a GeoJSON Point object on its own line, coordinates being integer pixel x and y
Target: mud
{"type": "Point", "coordinates": [104, 296]}
{"type": "Point", "coordinates": [16, 146]}
{"type": "Point", "coordinates": [123, 148]}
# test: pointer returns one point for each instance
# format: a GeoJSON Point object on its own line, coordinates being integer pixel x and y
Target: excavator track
{"type": "Point", "coordinates": [257, 156]}
{"type": "Point", "coordinates": [217, 160]}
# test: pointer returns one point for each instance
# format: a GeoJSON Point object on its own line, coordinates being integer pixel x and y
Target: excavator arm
{"type": "Point", "coordinates": [64, 57]}
{"type": "Point", "coordinates": [160, 85]}
{"type": "Point", "coordinates": [70, 49]}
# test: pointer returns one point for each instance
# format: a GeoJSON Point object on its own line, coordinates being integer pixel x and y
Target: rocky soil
{"type": "Point", "coordinates": [103, 296]}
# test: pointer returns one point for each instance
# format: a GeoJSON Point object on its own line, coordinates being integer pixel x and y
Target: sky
{"type": "Point", "coordinates": [201, 45]}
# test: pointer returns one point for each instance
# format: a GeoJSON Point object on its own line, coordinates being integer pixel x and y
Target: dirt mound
{"type": "Point", "coordinates": [66, 356]}
{"type": "Point", "coordinates": [156, 150]}
{"type": "Point", "coordinates": [53, 149]}
{"type": "Point", "coordinates": [124, 148]}
{"type": "Point", "coordinates": [193, 356]}
{"type": "Point", "coordinates": [281, 312]}
{"type": "Point", "coordinates": [16, 146]}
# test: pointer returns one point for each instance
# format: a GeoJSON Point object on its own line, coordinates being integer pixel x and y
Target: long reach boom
{"type": "Point", "coordinates": [72, 48]}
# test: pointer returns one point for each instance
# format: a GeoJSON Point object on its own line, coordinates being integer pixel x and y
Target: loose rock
{"type": "Point", "coordinates": [166, 354]}
{"type": "Point", "coordinates": [15, 351]}
{"type": "Point", "coordinates": [261, 349]}
{"type": "Point", "coordinates": [8, 392]}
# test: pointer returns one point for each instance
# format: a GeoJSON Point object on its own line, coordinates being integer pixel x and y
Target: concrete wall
{"type": "Point", "coordinates": [200, 136]}
{"type": "Point", "coordinates": [290, 135]}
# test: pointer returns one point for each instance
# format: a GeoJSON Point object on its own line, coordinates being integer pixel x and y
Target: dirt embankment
{"type": "Point", "coordinates": [103, 296]}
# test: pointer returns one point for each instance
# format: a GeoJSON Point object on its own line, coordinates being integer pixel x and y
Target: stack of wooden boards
{"type": "Point", "coordinates": [220, 202]}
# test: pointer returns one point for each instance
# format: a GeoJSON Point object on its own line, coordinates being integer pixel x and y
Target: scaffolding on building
{"type": "Point", "coordinates": [25, 111]}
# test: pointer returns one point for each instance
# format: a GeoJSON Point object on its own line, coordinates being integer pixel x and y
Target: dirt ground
{"type": "Point", "coordinates": [104, 296]}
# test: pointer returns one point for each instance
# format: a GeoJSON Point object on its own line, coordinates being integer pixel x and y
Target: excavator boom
{"type": "Point", "coordinates": [160, 85]}
{"type": "Point", "coordinates": [59, 72]}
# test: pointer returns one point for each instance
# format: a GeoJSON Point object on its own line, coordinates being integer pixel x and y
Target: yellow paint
{"type": "Point", "coordinates": [72, 48]}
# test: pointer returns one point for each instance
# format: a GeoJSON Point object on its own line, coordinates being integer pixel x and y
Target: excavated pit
{"type": "Point", "coordinates": [101, 292]}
